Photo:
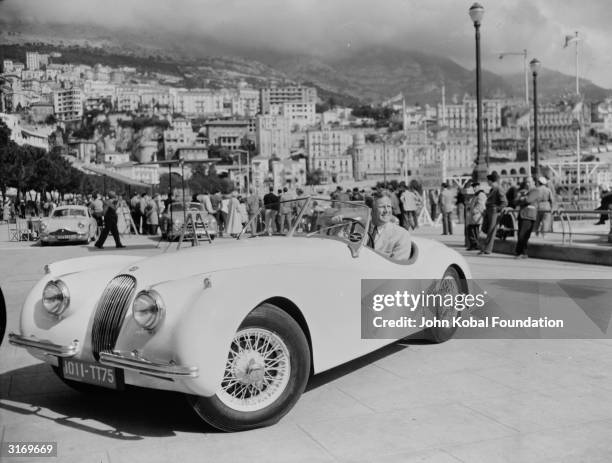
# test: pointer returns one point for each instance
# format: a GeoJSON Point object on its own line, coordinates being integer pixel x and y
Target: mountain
{"type": "Point", "coordinates": [378, 73]}
{"type": "Point", "coordinates": [350, 77]}
{"type": "Point", "coordinates": [554, 85]}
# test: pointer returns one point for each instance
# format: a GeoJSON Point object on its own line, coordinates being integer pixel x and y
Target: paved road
{"type": "Point", "coordinates": [463, 401]}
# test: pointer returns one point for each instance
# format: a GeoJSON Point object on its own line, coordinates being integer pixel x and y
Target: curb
{"type": "Point", "coordinates": [582, 255]}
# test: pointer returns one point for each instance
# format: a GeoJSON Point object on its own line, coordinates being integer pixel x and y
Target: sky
{"type": "Point", "coordinates": [440, 27]}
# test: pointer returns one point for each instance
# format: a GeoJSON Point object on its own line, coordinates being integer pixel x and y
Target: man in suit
{"type": "Point", "coordinates": [110, 222]}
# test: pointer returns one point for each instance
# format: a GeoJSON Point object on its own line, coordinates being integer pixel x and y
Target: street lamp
{"type": "Point", "coordinates": [480, 170]}
{"type": "Point", "coordinates": [535, 66]}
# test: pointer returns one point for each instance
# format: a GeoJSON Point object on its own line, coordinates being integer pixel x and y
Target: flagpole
{"type": "Point", "coordinates": [578, 126]}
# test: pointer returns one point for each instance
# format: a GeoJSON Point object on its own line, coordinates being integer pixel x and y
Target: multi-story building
{"type": "Point", "coordinates": [192, 153]}
{"type": "Point", "coordinates": [145, 173]}
{"type": "Point", "coordinates": [101, 73]}
{"type": "Point", "coordinates": [557, 124]}
{"type": "Point", "coordinates": [68, 104]}
{"type": "Point", "coordinates": [43, 59]}
{"type": "Point", "coordinates": [32, 60]}
{"type": "Point", "coordinates": [377, 160]}
{"type": "Point", "coordinates": [228, 134]}
{"type": "Point", "coordinates": [199, 103]}
{"type": "Point", "coordinates": [179, 135]}
{"type": "Point", "coordinates": [7, 66]}
{"type": "Point", "coordinates": [462, 117]}
{"type": "Point", "coordinates": [300, 114]}
{"type": "Point", "coordinates": [328, 150]}
{"type": "Point", "coordinates": [248, 102]}
{"type": "Point", "coordinates": [273, 97]}
{"type": "Point", "coordinates": [273, 136]}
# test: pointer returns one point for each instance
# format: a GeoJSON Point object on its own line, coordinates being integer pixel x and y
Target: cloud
{"type": "Point", "coordinates": [439, 27]}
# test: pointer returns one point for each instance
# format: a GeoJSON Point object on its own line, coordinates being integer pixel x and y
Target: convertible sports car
{"type": "Point", "coordinates": [68, 224]}
{"type": "Point", "coordinates": [238, 326]}
{"type": "Point", "coordinates": [171, 221]}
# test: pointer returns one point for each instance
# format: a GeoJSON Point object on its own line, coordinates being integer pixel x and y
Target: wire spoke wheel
{"type": "Point", "coordinates": [257, 370]}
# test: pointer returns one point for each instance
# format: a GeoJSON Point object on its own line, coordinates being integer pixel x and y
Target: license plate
{"type": "Point", "coordinates": [92, 373]}
{"type": "Point", "coordinates": [63, 237]}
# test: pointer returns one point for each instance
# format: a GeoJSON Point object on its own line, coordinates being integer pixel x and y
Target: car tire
{"type": "Point", "coordinates": [2, 316]}
{"type": "Point", "coordinates": [455, 285]}
{"type": "Point", "coordinates": [83, 388]}
{"type": "Point", "coordinates": [285, 346]}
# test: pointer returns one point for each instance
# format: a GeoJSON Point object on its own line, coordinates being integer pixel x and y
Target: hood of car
{"type": "Point", "coordinates": [231, 254]}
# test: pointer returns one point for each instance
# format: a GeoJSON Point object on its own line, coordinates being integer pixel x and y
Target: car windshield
{"type": "Point", "coordinates": [69, 213]}
{"type": "Point", "coordinates": [312, 218]}
{"type": "Point", "coordinates": [178, 207]}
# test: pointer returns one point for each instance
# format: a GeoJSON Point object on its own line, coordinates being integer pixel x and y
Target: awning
{"type": "Point", "coordinates": [114, 175]}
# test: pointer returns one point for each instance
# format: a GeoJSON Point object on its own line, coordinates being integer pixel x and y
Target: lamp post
{"type": "Point", "coordinates": [535, 66]}
{"type": "Point", "coordinates": [526, 71]}
{"type": "Point", "coordinates": [480, 171]}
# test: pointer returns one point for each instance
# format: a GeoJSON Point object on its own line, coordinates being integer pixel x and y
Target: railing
{"type": "Point", "coordinates": [565, 217]}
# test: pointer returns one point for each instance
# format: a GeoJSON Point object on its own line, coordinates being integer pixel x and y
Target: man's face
{"type": "Point", "coordinates": [383, 211]}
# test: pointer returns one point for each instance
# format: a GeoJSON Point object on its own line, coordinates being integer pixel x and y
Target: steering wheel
{"type": "Point", "coordinates": [344, 221]}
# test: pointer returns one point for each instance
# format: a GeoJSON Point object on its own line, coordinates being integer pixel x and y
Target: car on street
{"type": "Point", "coordinates": [171, 221]}
{"type": "Point", "coordinates": [68, 224]}
{"type": "Point", "coordinates": [239, 327]}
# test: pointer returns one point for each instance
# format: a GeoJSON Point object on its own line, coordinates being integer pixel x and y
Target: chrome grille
{"type": "Point", "coordinates": [110, 313]}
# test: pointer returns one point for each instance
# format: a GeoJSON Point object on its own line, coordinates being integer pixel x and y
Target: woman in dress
{"type": "Point", "coordinates": [234, 218]}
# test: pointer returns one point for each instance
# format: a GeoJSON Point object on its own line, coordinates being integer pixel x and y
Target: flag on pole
{"type": "Point", "coordinates": [569, 39]}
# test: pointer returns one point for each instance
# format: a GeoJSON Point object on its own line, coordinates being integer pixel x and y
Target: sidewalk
{"type": "Point", "coordinates": [589, 243]}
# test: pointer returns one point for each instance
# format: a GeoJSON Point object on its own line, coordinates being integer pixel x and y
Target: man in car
{"type": "Point", "coordinates": [388, 237]}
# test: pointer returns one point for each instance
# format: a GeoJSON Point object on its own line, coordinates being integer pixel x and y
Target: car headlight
{"type": "Point", "coordinates": [148, 309]}
{"type": "Point", "coordinates": [81, 224]}
{"type": "Point", "coordinates": [56, 297]}
{"type": "Point", "coordinates": [43, 226]}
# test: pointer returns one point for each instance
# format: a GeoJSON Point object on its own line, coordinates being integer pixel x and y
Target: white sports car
{"type": "Point", "coordinates": [68, 224]}
{"type": "Point", "coordinates": [238, 326]}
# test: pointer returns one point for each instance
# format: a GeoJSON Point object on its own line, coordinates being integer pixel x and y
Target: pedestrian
{"type": "Point", "coordinates": [496, 202]}
{"type": "Point", "coordinates": [253, 205]}
{"type": "Point", "coordinates": [460, 201]}
{"type": "Point", "coordinates": [546, 203]}
{"type": "Point", "coordinates": [447, 205]}
{"type": "Point", "coordinates": [475, 214]}
{"type": "Point", "coordinates": [152, 217]}
{"type": "Point", "coordinates": [110, 222]}
{"type": "Point", "coordinates": [286, 209]}
{"type": "Point", "coordinates": [272, 206]}
{"type": "Point", "coordinates": [604, 205]}
{"type": "Point", "coordinates": [433, 203]}
{"type": "Point", "coordinates": [526, 200]}
{"type": "Point", "coordinates": [234, 219]}
{"type": "Point", "coordinates": [410, 202]}
{"type": "Point", "coordinates": [97, 209]}
{"type": "Point", "coordinates": [395, 205]}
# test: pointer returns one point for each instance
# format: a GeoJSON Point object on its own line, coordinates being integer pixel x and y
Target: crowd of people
{"type": "Point", "coordinates": [484, 207]}
{"type": "Point", "coordinates": [487, 212]}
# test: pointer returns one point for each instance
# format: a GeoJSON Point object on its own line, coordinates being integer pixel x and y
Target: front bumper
{"type": "Point", "coordinates": [124, 360]}
{"type": "Point", "coordinates": [46, 347]}
{"type": "Point", "coordinates": [135, 362]}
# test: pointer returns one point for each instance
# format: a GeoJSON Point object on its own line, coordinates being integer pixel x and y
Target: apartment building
{"type": "Point", "coordinates": [68, 104]}
{"type": "Point", "coordinates": [273, 97]}
{"type": "Point", "coordinates": [273, 136]}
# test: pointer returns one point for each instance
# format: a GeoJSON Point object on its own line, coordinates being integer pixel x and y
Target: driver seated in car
{"type": "Point", "coordinates": [388, 237]}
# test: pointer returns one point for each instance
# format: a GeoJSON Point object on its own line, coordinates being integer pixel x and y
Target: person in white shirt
{"type": "Point", "coordinates": [389, 238]}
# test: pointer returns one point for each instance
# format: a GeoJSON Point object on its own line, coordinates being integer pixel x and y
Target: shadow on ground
{"type": "Point", "coordinates": [135, 413]}
{"type": "Point", "coordinates": [129, 415]}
